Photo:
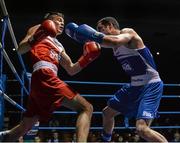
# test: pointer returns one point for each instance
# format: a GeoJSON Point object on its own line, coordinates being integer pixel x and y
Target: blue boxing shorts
{"type": "Point", "coordinates": [141, 102]}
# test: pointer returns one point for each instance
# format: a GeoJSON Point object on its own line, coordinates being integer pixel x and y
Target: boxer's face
{"type": "Point", "coordinates": [59, 21]}
{"type": "Point", "coordinates": [106, 29]}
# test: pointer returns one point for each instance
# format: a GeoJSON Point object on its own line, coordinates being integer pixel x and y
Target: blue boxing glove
{"type": "Point", "coordinates": [89, 33]}
{"type": "Point", "coordinates": [83, 33]}
{"type": "Point", "coordinates": [70, 30]}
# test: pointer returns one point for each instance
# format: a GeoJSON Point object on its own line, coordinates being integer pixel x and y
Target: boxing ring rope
{"type": "Point", "coordinates": [7, 24]}
{"type": "Point", "coordinates": [100, 113]}
{"type": "Point", "coordinates": [111, 95]}
{"type": "Point", "coordinates": [5, 55]}
{"type": "Point", "coordinates": [100, 128]}
{"type": "Point", "coordinates": [14, 70]}
{"type": "Point", "coordinates": [108, 83]}
{"type": "Point", "coordinates": [126, 124]}
{"type": "Point", "coordinates": [6, 21]}
{"type": "Point", "coordinates": [12, 101]}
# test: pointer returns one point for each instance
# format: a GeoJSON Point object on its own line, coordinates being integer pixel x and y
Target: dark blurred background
{"type": "Point", "coordinates": [156, 21]}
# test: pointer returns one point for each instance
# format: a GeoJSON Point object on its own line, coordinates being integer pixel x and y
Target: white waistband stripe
{"type": "Point", "coordinates": [45, 64]}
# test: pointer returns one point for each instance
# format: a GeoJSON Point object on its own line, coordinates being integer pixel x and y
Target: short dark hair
{"type": "Point", "coordinates": [109, 20]}
{"type": "Point", "coordinates": [49, 15]}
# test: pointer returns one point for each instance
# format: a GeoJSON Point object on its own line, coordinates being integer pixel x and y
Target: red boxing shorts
{"type": "Point", "coordinates": [47, 93]}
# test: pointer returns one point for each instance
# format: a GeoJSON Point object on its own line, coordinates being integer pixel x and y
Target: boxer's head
{"type": "Point", "coordinates": [58, 19]}
{"type": "Point", "coordinates": [106, 24]}
{"type": "Point", "coordinates": [50, 15]}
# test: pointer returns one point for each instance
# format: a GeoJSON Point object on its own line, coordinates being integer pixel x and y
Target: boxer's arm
{"type": "Point", "coordinates": [68, 65]}
{"type": "Point", "coordinates": [116, 40]}
{"type": "Point", "coordinates": [36, 34]}
{"type": "Point", "coordinates": [24, 45]}
{"type": "Point", "coordinates": [91, 51]}
{"type": "Point", "coordinates": [86, 33]}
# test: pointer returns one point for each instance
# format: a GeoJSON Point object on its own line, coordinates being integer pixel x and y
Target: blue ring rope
{"type": "Point", "coordinates": [111, 95]}
{"type": "Point", "coordinates": [99, 113]}
{"type": "Point", "coordinates": [4, 27]}
{"type": "Point", "coordinates": [72, 112]}
{"type": "Point", "coordinates": [12, 101]}
{"type": "Point", "coordinates": [109, 83]}
{"type": "Point", "coordinates": [100, 128]}
{"type": "Point", "coordinates": [6, 56]}
{"type": "Point", "coordinates": [14, 71]}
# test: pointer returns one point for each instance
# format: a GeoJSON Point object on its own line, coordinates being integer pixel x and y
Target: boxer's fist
{"type": "Point", "coordinates": [70, 30]}
{"type": "Point", "coordinates": [47, 28]}
{"type": "Point", "coordinates": [83, 33]}
{"type": "Point", "coordinates": [91, 50]}
{"type": "Point", "coordinates": [88, 33]}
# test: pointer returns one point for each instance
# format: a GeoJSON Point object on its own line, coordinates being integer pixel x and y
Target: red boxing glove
{"type": "Point", "coordinates": [47, 28]}
{"type": "Point", "coordinates": [91, 52]}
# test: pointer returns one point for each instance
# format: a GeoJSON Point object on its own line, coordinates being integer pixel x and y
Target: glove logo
{"type": "Point", "coordinates": [96, 34]}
